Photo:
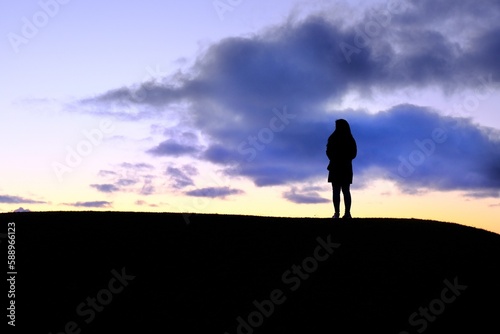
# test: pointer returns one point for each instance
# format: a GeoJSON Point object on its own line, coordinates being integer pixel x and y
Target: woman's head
{"type": "Point", "coordinates": [342, 126]}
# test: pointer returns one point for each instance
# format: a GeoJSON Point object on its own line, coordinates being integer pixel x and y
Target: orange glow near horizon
{"type": "Point", "coordinates": [380, 199]}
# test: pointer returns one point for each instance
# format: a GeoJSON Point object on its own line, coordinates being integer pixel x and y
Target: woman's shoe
{"type": "Point", "coordinates": [336, 215]}
{"type": "Point", "coordinates": [347, 215]}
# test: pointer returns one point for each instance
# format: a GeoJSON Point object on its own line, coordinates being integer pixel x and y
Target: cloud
{"type": "Point", "coordinates": [419, 148]}
{"type": "Point", "coordinates": [171, 148]}
{"type": "Point", "coordinates": [179, 142]}
{"type": "Point", "coordinates": [261, 103]}
{"type": "Point", "coordinates": [141, 203]}
{"type": "Point", "coordinates": [304, 196]}
{"type": "Point", "coordinates": [181, 177]}
{"type": "Point", "coordinates": [484, 193]}
{"type": "Point", "coordinates": [106, 173]}
{"type": "Point", "coordinates": [18, 200]}
{"type": "Point", "coordinates": [105, 188]}
{"type": "Point", "coordinates": [91, 204]}
{"type": "Point", "coordinates": [310, 61]}
{"type": "Point", "coordinates": [128, 177]}
{"type": "Point", "coordinates": [214, 192]}
{"type": "Point", "coordinates": [125, 182]}
{"type": "Point", "coordinates": [137, 166]}
{"type": "Point", "coordinates": [148, 187]}
{"type": "Point", "coordinates": [411, 145]}
{"type": "Point", "coordinates": [414, 146]}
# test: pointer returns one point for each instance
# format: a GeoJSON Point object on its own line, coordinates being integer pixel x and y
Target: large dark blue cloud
{"type": "Point", "coordinates": [417, 147]}
{"type": "Point", "coordinates": [411, 145]}
{"type": "Point", "coordinates": [307, 62]}
{"type": "Point", "coordinates": [261, 102]}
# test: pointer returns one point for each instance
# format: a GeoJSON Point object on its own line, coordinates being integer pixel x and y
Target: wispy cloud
{"type": "Point", "coordinates": [214, 192]}
{"type": "Point", "coordinates": [304, 196]}
{"type": "Point", "coordinates": [144, 203]}
{"type": "Point", "coordinates": [126, 182]}
{"type": "Point", "coordinates": [18, 200]}
{"type": "Point", "coordinates": [91, 204]}
{"type": "Point", "coordinates": [105, 188]}
{"type": "Point", "coordinates": [148, 187]}
{"type": "Point", "coordinates": [181, 177]}
{"type": "Point", "coordinates": [127, 177]}
{"type": "Point", "coordinates": [137, 166]}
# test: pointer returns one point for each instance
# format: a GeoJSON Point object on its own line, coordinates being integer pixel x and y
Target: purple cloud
{"type": "Point", "coordinates": [214, 192]}
{"type": "Point", "coordinates": [105, 188]}
{"type": "Point", "coordinates": [91, 204]}
{"type": "Point", "coordinates": [18, 200]}
{"type": "Point", "coordinates": [304, 196]}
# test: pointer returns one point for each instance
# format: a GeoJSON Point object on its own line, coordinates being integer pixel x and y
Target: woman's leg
{"type": "Point", "coordinates": [336, 198]}
{"type": "Point", "coordinates": [347, 198]}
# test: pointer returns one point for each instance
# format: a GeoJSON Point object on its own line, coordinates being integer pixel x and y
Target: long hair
{"type": "Point", "coordinates": [341, 143]}
{"type": "Point", "coordinates": [342, 128]}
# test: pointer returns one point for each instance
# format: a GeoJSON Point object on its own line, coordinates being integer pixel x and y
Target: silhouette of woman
{"type": "Point", "coordinates": [341, 149]}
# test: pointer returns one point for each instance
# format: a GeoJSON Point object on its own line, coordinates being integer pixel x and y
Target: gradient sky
{"type": "Point", "coordinates": [226, 106]}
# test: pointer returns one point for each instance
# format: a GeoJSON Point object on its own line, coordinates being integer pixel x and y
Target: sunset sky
{"type": "Point", "coordinates": [225, 106]}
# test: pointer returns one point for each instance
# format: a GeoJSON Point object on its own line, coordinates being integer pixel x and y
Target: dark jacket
{"type": "Point", "coordinates": [341, 149]}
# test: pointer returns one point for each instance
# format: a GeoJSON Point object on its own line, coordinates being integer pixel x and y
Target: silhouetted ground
{"type": "Point", "coordinates": [219, 270]}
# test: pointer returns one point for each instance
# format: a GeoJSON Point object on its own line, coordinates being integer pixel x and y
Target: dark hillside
{"type": "Point", "coordinates": [114, 272]}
